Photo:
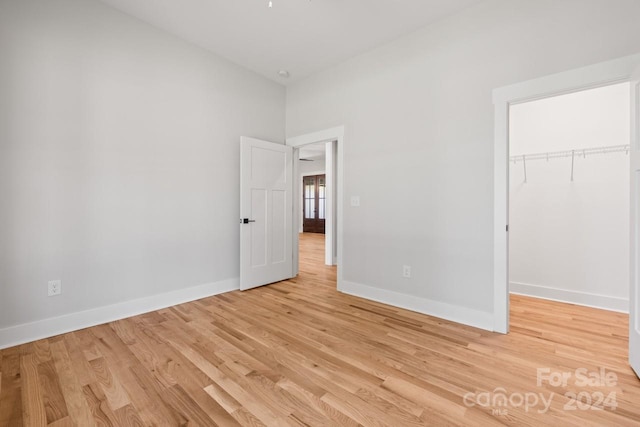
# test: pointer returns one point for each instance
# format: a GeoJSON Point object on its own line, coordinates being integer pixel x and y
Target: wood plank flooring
{"type": "Point", "coordinates": [299, 353]}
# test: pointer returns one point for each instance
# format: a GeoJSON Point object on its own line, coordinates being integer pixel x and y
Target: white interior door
{"type": "Point", "coordinates": [634, 295]}
{"type": "Point", "coordinates": [266, 212]}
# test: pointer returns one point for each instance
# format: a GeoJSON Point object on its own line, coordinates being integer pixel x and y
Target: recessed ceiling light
{"type": "Point", "coordinates": [284, 74]}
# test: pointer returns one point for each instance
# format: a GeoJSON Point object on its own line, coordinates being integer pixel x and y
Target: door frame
{"type": "Point", "coordinates": [590, 77]}
{"type": "Point", "coordinates": [334, 171]}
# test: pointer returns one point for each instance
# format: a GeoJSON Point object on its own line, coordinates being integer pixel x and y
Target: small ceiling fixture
{"type": "Point", "coordinates": [284, 74]}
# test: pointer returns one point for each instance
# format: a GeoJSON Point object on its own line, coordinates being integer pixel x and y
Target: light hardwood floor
{"type": "Point", "coordinates": [300, 353]}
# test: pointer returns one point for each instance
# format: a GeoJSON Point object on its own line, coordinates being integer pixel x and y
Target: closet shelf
{"type": "Point", "coordinates": [581, 152]}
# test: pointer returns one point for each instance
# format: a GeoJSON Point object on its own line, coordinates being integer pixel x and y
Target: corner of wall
{"type": "Point", "coordinates": [604, 302]}
{"type": "Point", "coordinates": [454, 313]}
{"type": "Point", "coordinates": [20, 334]}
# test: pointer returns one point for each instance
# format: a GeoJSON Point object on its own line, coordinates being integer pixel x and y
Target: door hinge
{"type": "Point", "coordinates": [507, 228]}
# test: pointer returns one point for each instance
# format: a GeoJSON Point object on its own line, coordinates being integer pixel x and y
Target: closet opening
{"type": "Point", "coordinates": [568, 202]}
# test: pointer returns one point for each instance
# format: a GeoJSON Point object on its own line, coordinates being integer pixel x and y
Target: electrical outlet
{"type": "Point", "coordinates": [55, 287]}
{"type": "Point", "coordinates": [406, 271]}
{"type": "Point", "coordinates": [355, 201]}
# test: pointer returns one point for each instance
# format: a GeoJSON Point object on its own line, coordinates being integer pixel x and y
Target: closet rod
{"type": "Point", "coordinates": [571, 153]}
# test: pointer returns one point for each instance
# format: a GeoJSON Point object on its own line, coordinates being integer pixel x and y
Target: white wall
{"type": "Point", "coordinates": [119, 157]}
{"type": "Point", "coordinates": [306, 168]}
{"type": "Point", "coordinates": [418, 147]}
{"type": "Point", "coordinates": [570, 240]}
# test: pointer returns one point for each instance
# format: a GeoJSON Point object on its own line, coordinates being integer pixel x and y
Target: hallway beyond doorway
{"type": "Point", "coordinates": [311, 253]}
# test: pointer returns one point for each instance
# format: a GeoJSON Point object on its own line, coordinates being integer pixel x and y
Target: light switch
{"type": "Point", "coordinates": [355, 200]}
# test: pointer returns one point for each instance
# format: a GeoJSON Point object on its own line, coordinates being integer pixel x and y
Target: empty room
{"type": "Point", "coordinates": [319, 212]}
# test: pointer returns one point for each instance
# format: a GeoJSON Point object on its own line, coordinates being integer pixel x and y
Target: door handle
{"type": "Point", "coordinates": [246, 221]}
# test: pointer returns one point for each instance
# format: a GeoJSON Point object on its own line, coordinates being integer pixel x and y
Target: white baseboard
{"type": "Point", "coordinates": [573, 297]}
{"type": "Point", "coordinates": [45, 328]}
{"type": "Point", "coordinates": [454, 313]}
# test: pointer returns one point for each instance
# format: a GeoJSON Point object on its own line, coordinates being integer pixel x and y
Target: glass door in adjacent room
{"type": "Point", "coordinates": [313, 203]}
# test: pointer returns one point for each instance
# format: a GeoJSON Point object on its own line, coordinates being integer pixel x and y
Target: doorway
{"type": "Point", "coordinates": [598, 75]}
{"type": "Point", "coordinates": [569, 197]}
{"type": "Point", "coordinates": [333, 140]}
{"type": "Point", "coordinates": [316, 196]}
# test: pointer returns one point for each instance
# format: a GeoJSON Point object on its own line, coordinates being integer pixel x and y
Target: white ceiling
{"type": "Point", "coordinates": [300, 36]}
